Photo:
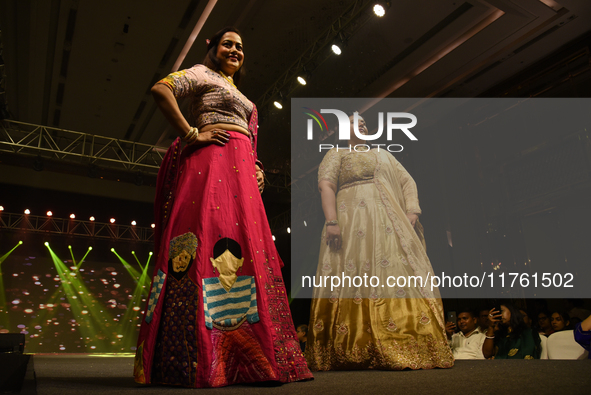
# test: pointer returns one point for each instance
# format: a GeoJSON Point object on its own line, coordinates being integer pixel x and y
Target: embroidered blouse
{"type": "Point", "coordinates": [347, 169]}
{"type": "Point", "coordinates": [214, 98]}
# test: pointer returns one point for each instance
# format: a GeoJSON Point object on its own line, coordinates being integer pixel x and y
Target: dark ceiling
{"type": "Point", "coordinates": [88, 66]}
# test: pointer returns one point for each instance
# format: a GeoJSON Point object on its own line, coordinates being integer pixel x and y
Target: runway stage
{"type": "Point", "coordinates": [99, 375]}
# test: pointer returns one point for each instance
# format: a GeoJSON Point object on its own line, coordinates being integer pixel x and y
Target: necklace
{"type": "Point", "coordinates": [227, 78]}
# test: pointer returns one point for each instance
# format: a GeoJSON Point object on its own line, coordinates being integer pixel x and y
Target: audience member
{"type": "Point", "coordinates": [466, 344]}
{"type": "Point", "coordinates": [508, 337]}
{"type": "Point", "coordinates": [302, 332]}
{"type": "Point", "coordinates": [544, 325]}
{"type": "Point", "coordinates": [560, 321]}
{"type": "Point", "coordinates": [575, 310]}
{"type": "Point", "coordinates": [526, 318]}
{"type": "Point", "coordinates": [483, 319]}
{"type": "Point", "coordinates": [583, 334]}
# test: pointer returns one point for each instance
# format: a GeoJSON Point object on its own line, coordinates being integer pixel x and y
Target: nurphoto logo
{"type": "Point", "coordinates": [345, 131]}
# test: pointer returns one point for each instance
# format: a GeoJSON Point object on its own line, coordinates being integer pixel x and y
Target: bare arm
{"type": "Point", "coordinates": [328, 192]}
{"type": "Point", "coordinates": [167, 103]}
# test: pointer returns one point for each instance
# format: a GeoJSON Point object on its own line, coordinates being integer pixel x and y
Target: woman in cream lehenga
{"type": "Point", "coordinates": [371, 208]}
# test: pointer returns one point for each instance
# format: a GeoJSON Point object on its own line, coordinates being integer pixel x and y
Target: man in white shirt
{"type": "Point", "coordinates": [466, 344]}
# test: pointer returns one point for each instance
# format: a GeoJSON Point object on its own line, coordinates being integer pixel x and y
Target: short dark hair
{"type": "Point", "coordinates": [304, 327]}
{"type": "Point", "coordinates": [468, 310]}
{"type": "Point", "coordinates": [211, 59]}
{"type": "Point", "coordinates": [227, 244]}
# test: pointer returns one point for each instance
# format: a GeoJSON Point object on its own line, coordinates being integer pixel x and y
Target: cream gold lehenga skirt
{"type": "Point", "coordinates": [373, 327]}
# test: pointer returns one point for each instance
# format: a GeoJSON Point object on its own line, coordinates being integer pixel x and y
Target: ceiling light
{"type": "Point", "coordinates": [336, 49]}
{"type": "Point", "coordinates": [49, 213]}
{"type": "Point", "coordinates": [91, 218]}
{"type": "Point", "coordinates": [277, 104]}
{"type": "Point", "coordinates": [112, 220]}
{"type": "Point", "coordinates": [27, 211]}
{"type": "Point", "coordinates": [73, 216]}
{"type": "Point", "coordinates": [301, 80]}
{"type": "Point", "coordinates": [133, 223]}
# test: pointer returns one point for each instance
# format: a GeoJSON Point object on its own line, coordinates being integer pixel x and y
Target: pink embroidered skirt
{"type": "Point", "coordinates": [214, 195]}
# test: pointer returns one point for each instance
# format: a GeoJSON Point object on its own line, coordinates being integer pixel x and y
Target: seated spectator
{"type": "Point", "coordinates": [508, 337]}
{"type": "Point", "coordinates": [544, 325]}
{"type": "Point", "coordinates": [575, 310]}
{"type": "Point", "coordinates": [583, 334]}
{"type": "Point", "coordinates": [483, 319]}
{"type": "Point", "coordinates": [302, 332]}
{"type": "Point", "coordinates": [560, 321]}
{"type": "Point", "coordinates": [466, 344]}
{"type": "Point", "coordinates": [526, 318]}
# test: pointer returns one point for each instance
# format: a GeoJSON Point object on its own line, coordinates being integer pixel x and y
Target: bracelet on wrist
{"type": "Point", "coordinates": [333, 222]}
{"type": "Point", "coordinates": [490, 337]}
{"type": "Point", "coordinates": [191, 136]}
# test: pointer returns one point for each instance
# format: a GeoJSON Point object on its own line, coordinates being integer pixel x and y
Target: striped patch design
{"type": "Point", "coordinates": [228, 309]}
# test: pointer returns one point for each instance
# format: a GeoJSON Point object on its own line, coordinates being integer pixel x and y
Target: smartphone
{"type": "Point", "coordinates": [451, 317]}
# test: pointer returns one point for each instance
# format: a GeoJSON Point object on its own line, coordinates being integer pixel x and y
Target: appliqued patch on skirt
{"type": "Point", "coordinates": [157, 285]}
{"type": "Point", "coordinates": [342, 329]}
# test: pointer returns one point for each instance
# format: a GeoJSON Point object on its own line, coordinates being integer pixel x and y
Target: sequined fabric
{"type": "Point", "coordinates": [370, 326]}
{"type": "Point", "coordinates": [216, 99]}
{"type": "Point", "coordinates": [216, 196]}
{"type": "Point", "coordinates": [175, 359]}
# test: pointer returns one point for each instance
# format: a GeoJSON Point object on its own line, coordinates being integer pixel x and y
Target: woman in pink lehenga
{"type": "Point", "coordinates": [218, 311]}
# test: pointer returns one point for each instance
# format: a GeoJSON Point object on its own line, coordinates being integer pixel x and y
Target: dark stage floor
{"type": "Point", "coordinates": [89, 375]}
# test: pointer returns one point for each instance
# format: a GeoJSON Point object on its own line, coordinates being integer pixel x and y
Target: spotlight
{"type": "Point", "coordinates": [288, 229]}
{"type": "Point", "coordinates": [153, 226]}
{"type": "Point", "coordinates": [301, 80]}
{"type": "Point", "coordinates": [46, 244]}
{"type": "Point", "coordinates": [133, 252]}
{"type": "Point", "coordinates": [27, 211]}
{"type": "Point", "coordinates": [20, 242]}
{"type": "Point", "coordinates": [1, 208]}
{"type": "Point", "coordinates": [91, 218]}
{"type": "Point", "coordinates": [112, 250]}
{"type": "Point", "coordinates": [336, 49]}
{"type": "Point", "coordinates": [151, 253]}
{"type": "Point", "coordinates": [133, 223]}
{"type": "Point", "coordinates": [277, 104]}
{"type": "Point", "coordinates": [273, 237]}
{"type": "Point", "coordinates": [380, 8]}
{"type": "Point", "coordinates": [89, 248]}
{"type": "Point", "coordinates": [112, 220]}
{"type": "Point", "coordinates": [70, 247]}
{"type": "Point", "coordinates": [72, 216]}
{"type": "Point", "coordinates": [49, 213]}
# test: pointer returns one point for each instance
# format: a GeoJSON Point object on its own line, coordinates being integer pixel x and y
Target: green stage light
{"type": "Point", "coordinates": [112, 250]}
{"type": "Point", "coordinates": [151, 253]}
{"type": "Point", "coordinates": [133, 252]}
{"type": "Point", "coordinates": [20, 242]}
{"type": "Point", "coordinates": [89, 248]}
{"type": "Point", "coordinates": [46, 244]}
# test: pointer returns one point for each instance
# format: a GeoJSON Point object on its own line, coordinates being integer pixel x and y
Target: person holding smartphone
{"type": "Point", "coordinates": [467, 343]}
{"type": "Point", "coordinates": [508, 337]}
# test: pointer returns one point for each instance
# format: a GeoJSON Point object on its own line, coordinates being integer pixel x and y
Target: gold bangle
{"type": "Point", "coordinates": [191, 136]}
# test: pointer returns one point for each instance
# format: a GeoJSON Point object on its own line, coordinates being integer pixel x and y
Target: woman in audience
{"type": "Point", "coordinates": [560, 321]}
{"type": "Point", "coordinates": [583, 334]}
{"type": "Point", "coordinates": [544, 323]}
{"type": "Point", "coordinates": [508, 337]}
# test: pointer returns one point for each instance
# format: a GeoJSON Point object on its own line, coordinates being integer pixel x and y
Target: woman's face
{"type": "Point", "coordinates": [505, 315]}
{"type": "Point", "coordinates": [543, 321]}
{"type": "Point", "coordinates": [362, 130]}
{"type": "Point", "coordinates": [230, 53]}
{"type": "Point", "coordinates": [558, 323]}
